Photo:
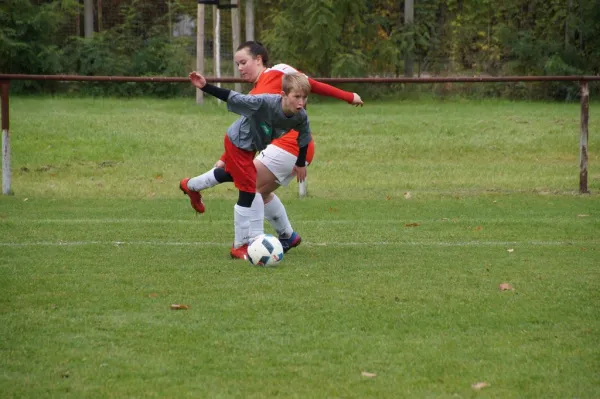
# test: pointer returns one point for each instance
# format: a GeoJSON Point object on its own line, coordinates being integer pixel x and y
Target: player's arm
{"type": "Point", "coordinates": [304, 138]}
{"type": "Point", "coordinates": [200, 82]}
{"type": "Point", "coordinates": [216, 91]}
{"type": "Point", "coordinates": [238, 103]}
{"type": "Point", "coordinates": [323, 89]}
{"type": "Point", "coordinates": [301, 160]}
{"type": "Point", "coordinates": [300, 167]}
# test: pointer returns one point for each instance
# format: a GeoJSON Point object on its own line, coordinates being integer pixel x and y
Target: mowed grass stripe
{"type": "Point", "coordinates": [309, 244]}
{"type": "Point", "coordinates": [486, 220]}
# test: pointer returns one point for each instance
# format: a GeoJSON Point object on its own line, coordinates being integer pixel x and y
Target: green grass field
{"type": "Point", "coordinates": [417, 212]}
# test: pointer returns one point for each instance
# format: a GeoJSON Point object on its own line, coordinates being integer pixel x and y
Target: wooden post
{"type": "Point", "coordinates": [5, 140]}
{"type": "Point", "coordinates": [249, 20]}
{"type": "Point", "coordinates": [170, 17]}
{"type": "Point", "coordinates": [100, 24]}
{"type": "Point", "coordinates": [217, 45]}
{"type": "Point", "coordinates": [235, 38]}
{"type": "Point", "coordinates": [583, 139]}
{"type": "Point", "coordinates": [200, 49]}
{"type": "Point", "coordinates": [409, 19]}
{"type": "Point", "coordinates": [88, 18]}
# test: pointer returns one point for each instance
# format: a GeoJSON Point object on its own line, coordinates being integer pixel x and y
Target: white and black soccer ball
{"type": "Point", "coordinates": [265, 250]}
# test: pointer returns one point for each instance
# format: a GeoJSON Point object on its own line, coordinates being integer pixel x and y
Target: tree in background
{"type": "Point", "coordinates": [321, 37]}
{"type": "Point", "coordinates": [30, 35]}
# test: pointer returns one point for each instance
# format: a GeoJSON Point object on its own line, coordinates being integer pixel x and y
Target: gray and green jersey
{"type": "Point", "coordinates": [262, 120]}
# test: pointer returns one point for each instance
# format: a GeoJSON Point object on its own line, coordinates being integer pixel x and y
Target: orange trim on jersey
{"type": "Point", "coordinates": [269, 82]}
{"type": "Point", "coordinates": [289, 143]}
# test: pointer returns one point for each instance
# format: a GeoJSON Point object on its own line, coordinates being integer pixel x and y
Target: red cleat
{"type": "Point", "coordinates": [195, 197]}
{"type": "Point", "coordinates": [240, 252]}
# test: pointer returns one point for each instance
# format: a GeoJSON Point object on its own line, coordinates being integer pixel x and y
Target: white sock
{"type": "Point", "coordinates": [241, 225]}
{"type": "Point", "coordinates": [204, 181]}
{"type": "Point", "coordinates": [257, 220]}
{"type": "Point", "coordinates": [277, 216]}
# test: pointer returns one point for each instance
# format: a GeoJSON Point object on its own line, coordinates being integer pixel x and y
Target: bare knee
{"type": "Point", "coordinates": [267, 196]}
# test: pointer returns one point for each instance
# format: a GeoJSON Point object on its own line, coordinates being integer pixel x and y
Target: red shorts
{"type": "Point", "coordinates": [240, 165]}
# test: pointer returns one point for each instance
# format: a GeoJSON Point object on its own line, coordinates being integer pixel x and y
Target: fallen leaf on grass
{"type": "Point", "coordinates": [478, 228]}
{"type": "Point", "coordinates": [367, 374]}
{"type": "Point", "coordinates": [179, 307]}
{"type": "Point", "coordinates": [505, 287]}
{"type": "Point", "coordinates": [152, 295]}
{"type": "Point", "coordinates": [480, 385]}
{"type": "Point", "coordinates": [412, 224]}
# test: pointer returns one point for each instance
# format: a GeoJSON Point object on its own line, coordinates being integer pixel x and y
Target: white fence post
{"type": "Point", "coordinates": [5, 141]}
{"type": "Point", "coordinates": [583, 138]}
{"type": "Point", "coordinates": [302, 189]}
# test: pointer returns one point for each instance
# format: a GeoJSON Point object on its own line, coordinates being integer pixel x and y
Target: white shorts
{"type": "Point", "coordinates": [279, 162]}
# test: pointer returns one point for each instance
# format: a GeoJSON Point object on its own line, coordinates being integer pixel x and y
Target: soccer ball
{"type": "Point", "coordinates": [265, 250]}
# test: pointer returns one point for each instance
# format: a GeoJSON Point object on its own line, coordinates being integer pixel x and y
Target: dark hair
{"type": "Point", "coordinates": [255, 49]}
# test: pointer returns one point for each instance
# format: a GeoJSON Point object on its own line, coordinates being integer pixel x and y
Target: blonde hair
{"type": "Point", "coordinates": [295, 81]}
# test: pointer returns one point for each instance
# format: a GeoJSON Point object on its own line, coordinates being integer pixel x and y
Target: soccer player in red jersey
{"type": "Point", "coordinates": [275, 164]}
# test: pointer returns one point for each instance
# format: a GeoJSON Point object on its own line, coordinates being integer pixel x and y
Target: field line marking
{"type": "Point", "coordinates": [304, 243]}
{"type": "Point", "coordinates": [200, 221]}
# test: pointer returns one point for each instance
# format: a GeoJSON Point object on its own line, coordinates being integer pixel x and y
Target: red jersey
{"type": "Point", "coordinates": [269, 82]}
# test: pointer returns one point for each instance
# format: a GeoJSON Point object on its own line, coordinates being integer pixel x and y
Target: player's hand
{"type": "Point", "coordinates": [300, 172]}
{"type": "Point", "coordinates": [220, 164]}
{"type": "Point", "coordinates": [357, 101]}
{"type": "Point", "coordinates": [197, 80]}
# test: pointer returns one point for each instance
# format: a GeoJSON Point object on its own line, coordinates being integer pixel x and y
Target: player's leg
{"type": "Point", "coordinates": [192, 186]}
{"type": "Point", "coordinates": [275, 165]}
{"type": "Point", "coordinates": [248, 208]}
{"type": "Point", "coordinates": [209, 179]}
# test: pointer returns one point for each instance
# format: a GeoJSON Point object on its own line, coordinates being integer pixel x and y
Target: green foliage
{"type": "Point", "coordinates": [29, 38]}
{"type": "Point", "coordinates": [315, 29]}
{"type": "Point", "coordinates": [324, 38]}
{"type": "Point", "coordinates": [123, 51]}
{"type": "Point", "coordinates": [139, 46]}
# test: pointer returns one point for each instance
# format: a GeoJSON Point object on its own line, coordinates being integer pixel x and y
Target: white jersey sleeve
{"type": "Point", "coordinates": [283, 68]}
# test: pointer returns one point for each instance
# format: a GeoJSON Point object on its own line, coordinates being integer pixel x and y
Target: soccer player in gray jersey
{"type": "Point", "coordinates": [263, 118]}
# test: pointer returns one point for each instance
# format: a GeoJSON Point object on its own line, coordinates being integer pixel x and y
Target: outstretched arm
{"type": "Point", "coordinates": [237, 103]}
{"type": "Point", "coordinates": [200, 82]}
{"type": "Point", "coordinates": [323, 89]}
